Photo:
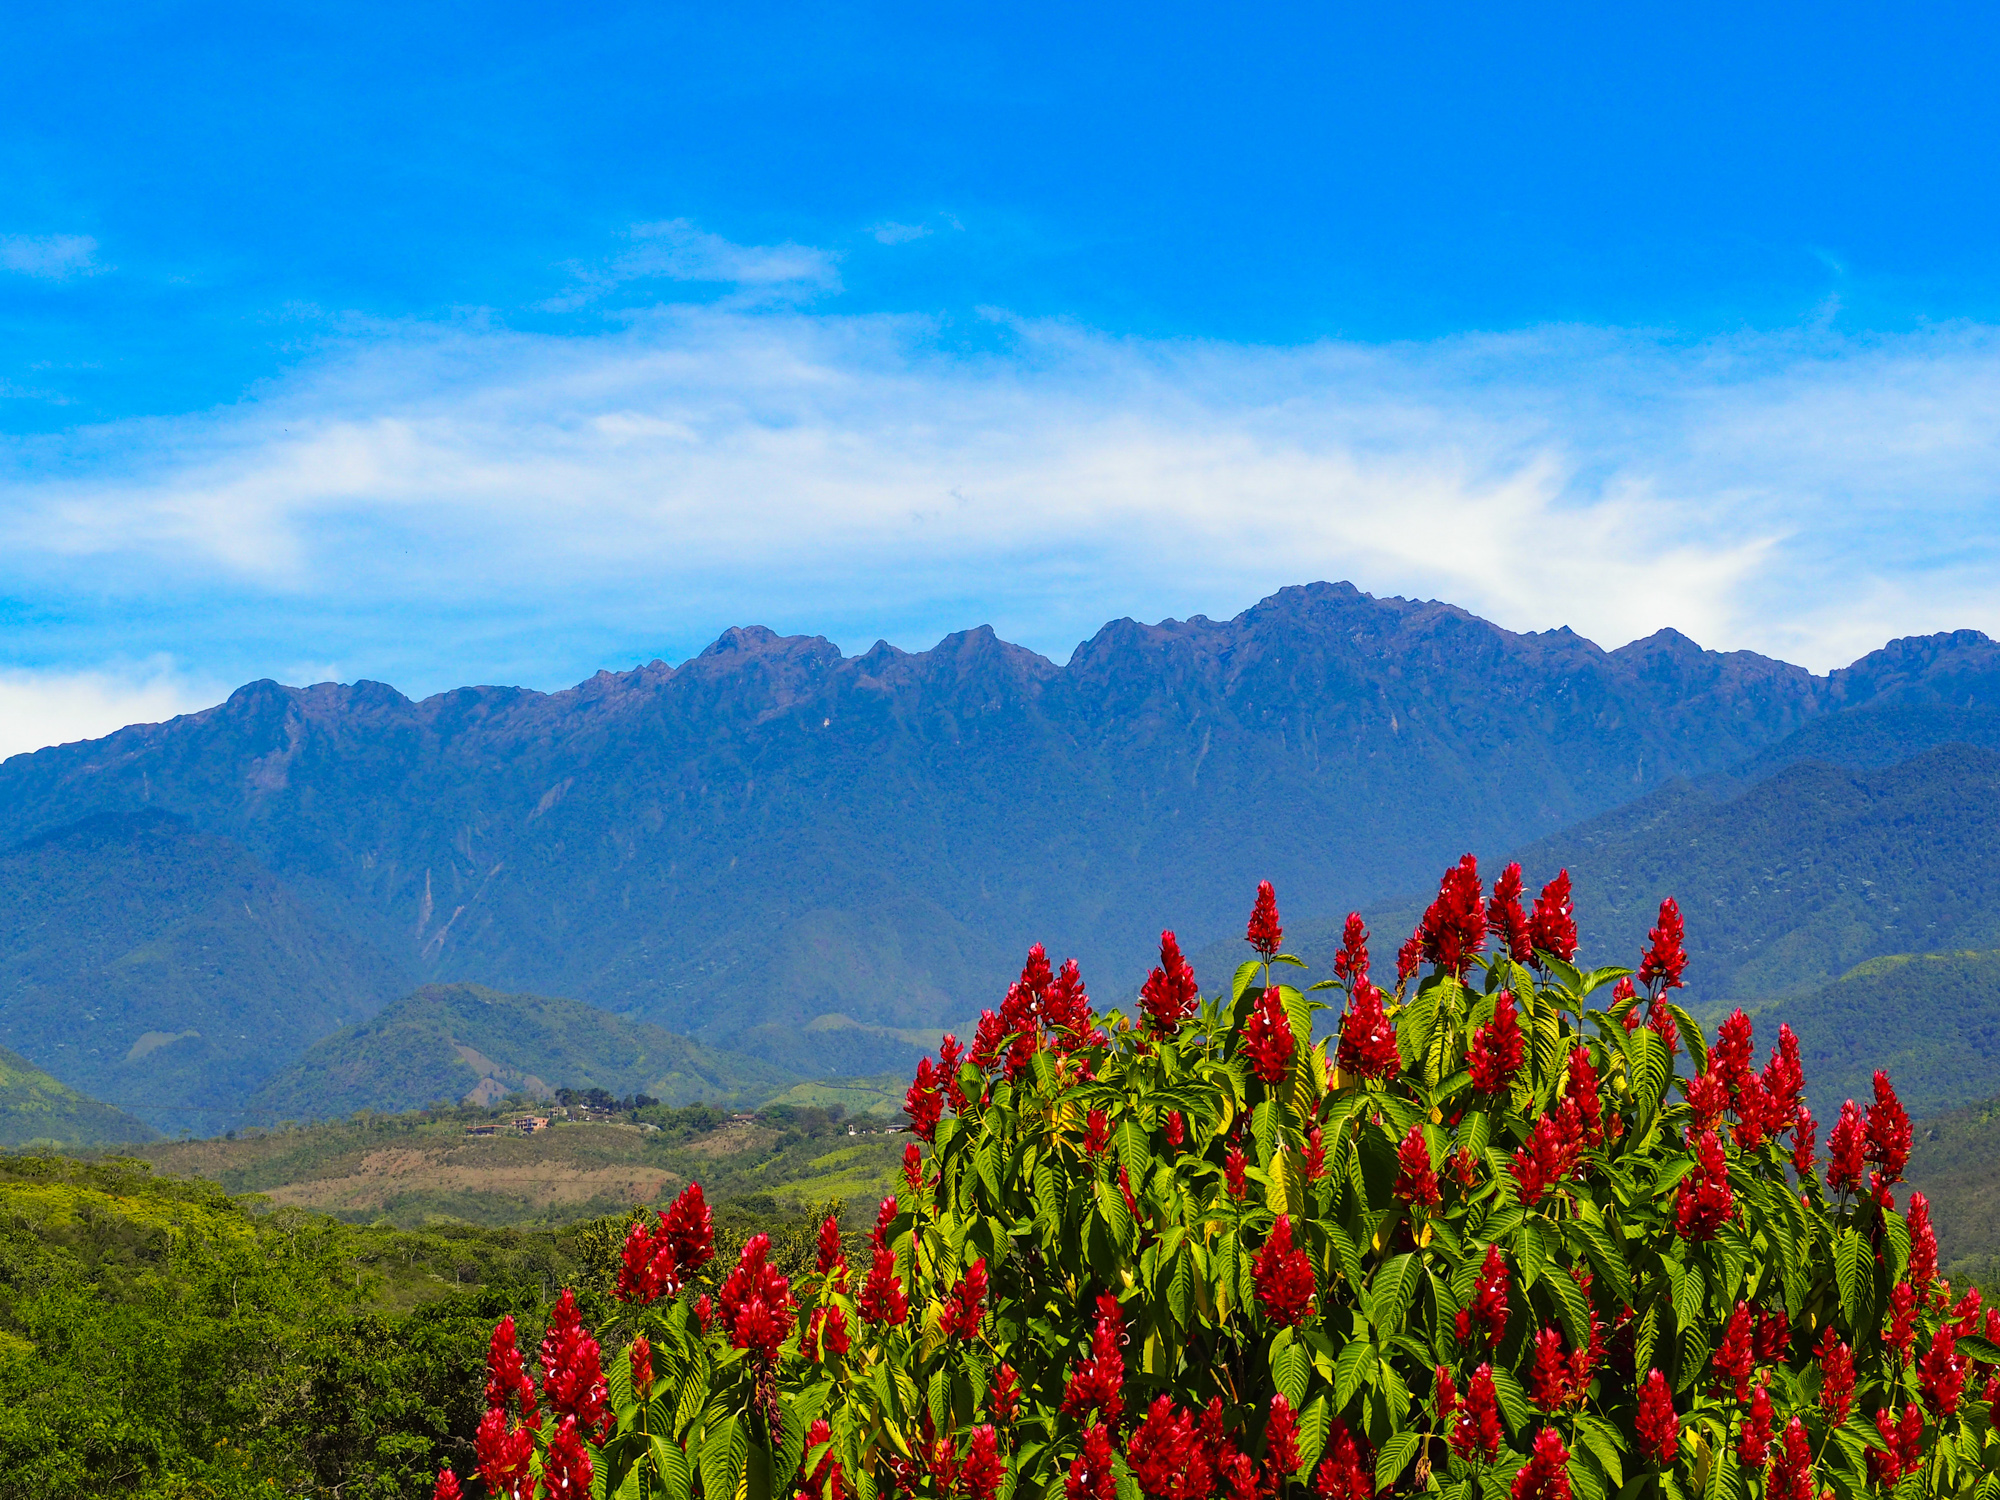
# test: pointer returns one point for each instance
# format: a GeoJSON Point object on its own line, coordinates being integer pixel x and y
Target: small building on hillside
{"type": "Point", "coordinates": [529, 1124]}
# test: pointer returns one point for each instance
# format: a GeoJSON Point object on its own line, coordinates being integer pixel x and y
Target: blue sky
{"type": "Point", "coordinates": [443, 344]}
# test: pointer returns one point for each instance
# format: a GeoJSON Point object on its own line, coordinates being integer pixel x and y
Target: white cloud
{"type": "Point", "coordinates": [891, 233]}
{"type": "Point", "coordinates": [50, 257]}
{"type": "Point", "coordinates": [53, 708]}
{"type": "Point", "coordinates": [1801, 495]}
{"type": "Point", "coordinates": [676, 250]}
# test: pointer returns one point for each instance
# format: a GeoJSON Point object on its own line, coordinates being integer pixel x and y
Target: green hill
{"type": "Point", "coordinates": [451, 1041]}
{"type": "Point", "coordinates": [36, 1109]}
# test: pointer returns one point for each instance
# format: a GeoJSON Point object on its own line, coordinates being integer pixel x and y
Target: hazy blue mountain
{"type": "Point", "coordinates": [447, 1041]}
{"type": "Point", "coordinates": [816, 859]}
{"type": "Point", "coordinates": [167, 971]}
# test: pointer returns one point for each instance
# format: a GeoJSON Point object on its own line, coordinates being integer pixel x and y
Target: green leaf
{"type": "Point", "coordinates": [1651, 1067]}
{"type": "Point", "coordinates": [1851, 1261]}
{"type": "Point", "coordinates": [1691, 1037]}
{"type": "Point", "coordinates": [1111, 1208]}
{"type": "Point", "coordinates": [1349, 1370]}
{"type": "Point", "coordinates": [1690, 1294]}
{"type": "Point", "coordinates": [1602, 1440]}
{"type": "Point", "coordinates": [724, 1457]}
{"type": "Point", "coordinates": [1291, 1369]}
{"type": "Point", "coordinates": [1389, 1295]}
{"type": "Point", "coordinates": [1574, 1308]}
{"type": "Point", "coordinates": [1314, 1424]}
{"type": "Point", "coordinates": [670, 1462]}
{"type": "Point", "coordinates": [1513, 1400]}
{"type": "Point", "coordinates": [1245, 972]}
{"type": "Point", "coordinates": [1394, 1458]}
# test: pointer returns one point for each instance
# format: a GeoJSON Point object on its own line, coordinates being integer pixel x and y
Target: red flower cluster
{"type": "Point", "coordinates": [1941, 1374]}
{"type": "Point", "coordinates": [1351, 962]}
{"type": "Point", "coordinates": [1848, 1147]}
{"type": "Point", "coordinates": [1475, 1426]}
{"type": "Point", "coordinates": [572, 1377]}
{"type": "Point", "coordinates": [1267, 1038]}
{"type": "Point", "coordinates": [1923, 1244]}
{"type": "Point", "coordinates": [447, 1486]}
{"type": "Point", "coordinates": [1003, 1396]}
{"type": "Point", "coordinates": [1661, 969]}
{"type": "Point", "coordinates": [924, 1103]}
{"type": "Point", "coordinates": [1498, 1049]}
{"type": "Point", "coordinates": [826, 1334]}
{"type": "Point", "coordinates": [1347, 1472]}
{"type": "Point", "coordinates": [1904, 1443]}
{"type": "Point", "coordinates": [950, 1056]}
{"type": "Point", "coordinates": [1232, 1171]}
{"type": "Point", "coordinates": [756, 1302]}
{"type": "Point", "coordinates": [1554, 1143]}
{"type": "Point", "coordinates": [1313, 1157]}
{"type": "Point", "coordinates": [1552, 927]}
{"type": "Point", "coordinates": [1488, 1310]}
{"type": "Point", "coordinates": [882, 1299]}
{"type": "Point", "coordinates": [1889, 1136]}
{"type": "Point", "coordinates": [1454, 925]}
{"type": "Point", "coordinates": [503, 1453]}
{"type": "Point", "coordinates": [1176, 1129]}
{"type": "Point", "coordinates": [1284, 1278]}
{"type": "Point", "coordinates": [966, 1304]}
{"type": "Point", "coordinates": [1165, 1454]}
{"type": "Point", "coordinates": [827, 1482]}
{"type": "Point", "coordinates": [1836, 1378]}
{"type": "Point", "coordinates": [1902, 1335]}
{"type": "Point", "coordinates": [1706, 1200]}
{"type": "Point", "coordinates": [1264, 934]}
{"type": "Point", "coordinates": [1659, 1427]}
{"type": "Point", "coordinates": [1582, 1092]}
{"type": "Point", "coordinates": [1367, 1036]}
{"type": "Point", "coordinates": [566, 1464]}
{"type": "Point", "coordinates": [1098, 1382]}
{"type": "Point", "coordinates": [1170, 995]}
{"type": "Point", "coordinates": [1096, 1132]}
{"type": "Point", "coordinates": [832, 1259]}
{"type": "Point", "coordinates": [655, 1262]}
{"type": "Point", "coordinates": [1091, 1476]}
{"type": "Point", "coordinates": [1735, 1356]}
{"type": "Point", "coordinates": [639, 1358]}
{"type": "Point", "coordinates": [913, 1168]}
{"type": "Point", "coordinates": [1416, 1179]}
{"type": "Point", "coordinates": [1753, 1444]}
{"type": "Point", "coordinates": [1505, 918]}
{"type": "Point", "coordinates": [1041, 1006]}
{"type": "Point", "coordinates": [1792, 1477]}
{"type": "Point", "coordinates": [1545, 1476]}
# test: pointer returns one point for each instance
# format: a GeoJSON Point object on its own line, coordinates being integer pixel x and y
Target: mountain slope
{"type": "Point", "coordinates": [36, 1108]}
{"type": "Point", "coordinates": [165, 970]}
{"type": "Point", "coordinates": [772, 838]}
{"type": "Point", "coordinates": [446, 1041]}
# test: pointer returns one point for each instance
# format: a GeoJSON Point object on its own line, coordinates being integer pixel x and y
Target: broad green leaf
{"type": "Point", "coordinates": [1513, 1400]}
{"type": "Point", "coordinates": [1390, 1293]}
{"type": "Point", "coordinates": [671, 1464]}
{"type": "Point", "coordinates": [1394, 1458]}
{"type": "Point", "coordinates": [724, 1457]}
{"type": "Point", "coordinates": [1291, 1370]}
{"type": "Point", "coordinates": [1574, 1308]}
{"type": "Point", "coordinates": [1851, 1261]}
{"type": "Point", "coordinates": [1349, 1370]}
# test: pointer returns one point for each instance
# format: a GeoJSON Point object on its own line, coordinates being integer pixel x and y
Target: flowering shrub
{"type": "Point", "coordinates": [1498, 1245]}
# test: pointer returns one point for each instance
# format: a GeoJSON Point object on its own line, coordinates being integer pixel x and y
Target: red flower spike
{"type": "Point", "coordinates": [1661, 969]}
{"type": "Point", "coordinates": [885, 1215]}
{"type": "Point", "coordinates": [1454, 926]}
{"type": "Point", "coordinates": [1097, 1133]}
{"type": "Point", "coordinates": [1098, 1382]}
{"type": "Point", "coordinates": [1659, 1427]}
{"type": "Point", "coordinates": [1281, 1439]}
{"type": "Point", "coordinates": [1264, 934]}
{"type": "Point", "coordinates": [504, 1456]}
{"type": "Point", "coordinates": [826, 1337]}
{"type": "Point", "coordinates": [1488, 1311]}
{"type": "Point", "coordinates": [1545, 1476]}
{"type": "Point", "coordinates": [924, 1103]}
{"type": "Point", "coordinates": [1003, 1396]}
{"type": "Point", "coordinates": [1170, 994]}
{"type": "Point", "coordinates": [1550, 1155]}
{"type": "Point", "coordinates": [1923, 1244]}
{"type": "Point", "coordinates": [980, 1474]}
{"type": "Point", "coordinates": [1735, 1355]}
{"type": "Point", "coordinates": [950, 1056]}
{"type": "Point", "coordinates": [1498, 1048]}
{"type": "Point", "coordinates": [832, 1259]}
{"type": "Point", "coordinates": [1475, 1428]}
{"type": "Point", "coordinates": [1785, 1078]}
{"type": "Point", "coordinates": [1091, 1476]}
{"type": "Point", "coordinates": [506, 1372]}
{"type": "Point", "coordinates": [1552, 927]}
{"type": "Point", "coordinates": [1582, 1091]}
{"type": "Point", "coordinates": [1232, 1171]}
{"type": "Point", "coordinates": [1416, 1180]}
{"type": "Point", "coordinates": [1284, 1277]}
{"type": "Point", "coordinates": [1792, 1476]}
{"type": "Point", "coordinates": [1347, 1472]}
{"type": "Point", "coordinates": [1705, 1199]}
{"type": "Point", "coordinates": [913, 1168]}
{"type": "Point", "coordinates": [1445, 1390]}
{"type": "Point", "coordinates": [572, 1377]}
{"type": "Point", "coordinates": [756, 1302]}
{"type": "Point", "coordinates": [566, 1464]}
{"type": "Point", "coordinates": [1176, 1129]}
{"type": "Point", "coordinates": [1166, 1455]}
{"type": "Point", "coordinates": [1409, 956]}
{"type": "Point", "coordinates": [447, 1486]}
{"type": "Point", "coordinates": [1548, 1375]}
{"type": "Point", "coordinates": [827, 1482]}
{"type": "Point", "coordinates": [1753, 1444]}
{"type": "Point", "coordinates": [1848, 1146]}
{"type": "Point", "coordinates": [1805, 1136]}
{"type": "Point", "coordinates": [1774, 1337]}
{"type": "Point", "coordinates": [1504, 917]}
{"type": "Point", "coordinates": [688, 1227]}
{"type": "Point", "coordinates": [1125, 1191]}
{"type": "Point", "coordinates": [966, 1304]}
{"type": "Point", "coordinates": [1367, 1036]}
{"type": "Point", "coordinates": [1314, 1155]}
{"type": "Point", "coordinates": [1902, 1318]}
{"type": "Point", "coordinates": [1941, 1374]}
{"type": "Point", "coordinates": [1267, 1038]}
{"type": "Point", "coordinates": [1351, 963]}
{"type": "Point", "coordinates": [1889, 1134]}
{"type": "Point", "coordinates": [882, 1299]}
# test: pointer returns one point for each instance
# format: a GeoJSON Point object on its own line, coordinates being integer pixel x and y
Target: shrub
{"type": "Point", "coordinates": [1497, 1244]}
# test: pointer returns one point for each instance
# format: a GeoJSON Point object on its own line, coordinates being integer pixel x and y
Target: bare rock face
{"type": "Point", "coordinates": [772, 833]}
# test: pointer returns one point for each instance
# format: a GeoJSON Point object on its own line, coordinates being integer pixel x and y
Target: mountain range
{"type": "Point", "coordinates": [814, 860]}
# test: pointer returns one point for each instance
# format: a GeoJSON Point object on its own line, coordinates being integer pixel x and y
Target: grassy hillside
{"type": "Point", "coordinates": [421, 1168]}
{"type": "Point", "coordinates": [446, 1041]}
{"type": "Point", "coordinates": [1956, 1162]}
{"type": "Point", "coordinates": [35, 1108]}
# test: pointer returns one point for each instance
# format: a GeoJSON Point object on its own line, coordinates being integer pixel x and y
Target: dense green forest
{"type": "Point", "coordinates": [159, 1337]}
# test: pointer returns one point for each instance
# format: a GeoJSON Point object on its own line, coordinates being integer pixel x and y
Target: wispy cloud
{"type": "Point", "coordinates": [462, 488]}
{"type": "Point", "coordinates": [891, 233]}
{"type": "Point", "coordinates": [53, 708]}
{"type": "Point", "coordinates": [677, 250]}
{"type": "Point", "coordinates": [49, 257]}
